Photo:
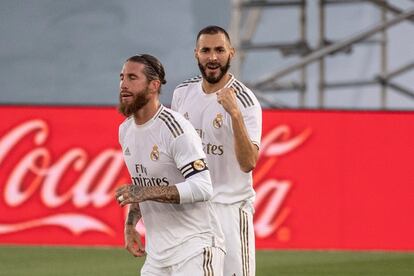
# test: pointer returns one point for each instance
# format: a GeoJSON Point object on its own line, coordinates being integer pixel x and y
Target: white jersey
{"type": "Point", "coordinates": [158, 153]}
{"type": "Point", "coordinates": [213, 124]}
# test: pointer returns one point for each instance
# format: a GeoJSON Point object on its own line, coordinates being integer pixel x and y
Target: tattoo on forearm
{"type": "Point", "coordinates": [134, 215]}
{"type": "Point", "coordinates": [165, 194]}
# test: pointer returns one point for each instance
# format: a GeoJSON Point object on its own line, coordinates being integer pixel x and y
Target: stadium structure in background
{"type": "Point", "coordinates": [247, 16]}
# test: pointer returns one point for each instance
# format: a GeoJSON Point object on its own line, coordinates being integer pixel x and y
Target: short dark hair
{"type": "Point", "coordinates": [153, 69]}
{"type": "Point", "coordinates": [212, 29]}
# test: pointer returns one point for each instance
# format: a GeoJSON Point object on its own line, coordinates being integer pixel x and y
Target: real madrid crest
{"type": "Point", "coordinates": [155, 154]}
{"type": "Point", "coordinates": [199, 165]}
{"type": "Point", "coordinates": [218, 121]}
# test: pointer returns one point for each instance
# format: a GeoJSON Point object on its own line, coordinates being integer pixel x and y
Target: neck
{"type": "Point", "coordinates": [214, 87]}
{"type": "Point", "coordinates": [147, 112]}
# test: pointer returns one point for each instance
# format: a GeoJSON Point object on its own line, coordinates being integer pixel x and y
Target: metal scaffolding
{"type": "Point", "coordinates": [246, 16]}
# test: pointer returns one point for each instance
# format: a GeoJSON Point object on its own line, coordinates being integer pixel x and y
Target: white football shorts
{"type": "Point", "coordinates": [237, 223]}
{"type": "Point", "coordinates": [208, 263]}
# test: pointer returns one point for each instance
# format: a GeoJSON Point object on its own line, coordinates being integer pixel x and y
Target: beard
{"type": "Point", "coordinates": [138, 102]}
{"type": "Point", "coordinates": [211, 78]}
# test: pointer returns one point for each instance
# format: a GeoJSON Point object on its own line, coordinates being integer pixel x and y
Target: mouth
{"type": "Point", "coordinates": [212, 68]}
{"type": "Point", "coordinates": [125, 95]}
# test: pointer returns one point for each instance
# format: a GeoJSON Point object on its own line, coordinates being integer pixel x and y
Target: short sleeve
{"type": "Point", "coordinates": [253, 121]}
{"type": "Point", "coordinates": [187, 148]}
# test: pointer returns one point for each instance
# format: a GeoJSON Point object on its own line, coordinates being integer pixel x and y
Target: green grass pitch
{"type": "Point", "coordinates": [62, 261]}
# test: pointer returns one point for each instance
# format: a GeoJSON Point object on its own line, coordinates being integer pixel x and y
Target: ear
{"type": "Point", "coordinates": [232, 52]}
{"type": "Point", "coordinates": [195, 53]}
{"type": "Point", "coordinates": [154, 85]}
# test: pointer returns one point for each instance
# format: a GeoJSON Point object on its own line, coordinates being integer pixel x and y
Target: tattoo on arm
{"type": "Point", "coordinates": [164, 194]}
{"type": "Point", "coordinates": [134, 214]}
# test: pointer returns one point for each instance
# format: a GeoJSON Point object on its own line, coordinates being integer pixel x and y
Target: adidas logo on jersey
{"type": "Point", "coordinates": [126, 152]}
{"type": "Point", "coordinates": [187, 116]}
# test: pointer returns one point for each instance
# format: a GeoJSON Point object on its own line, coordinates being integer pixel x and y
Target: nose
{"type": "Point", "coordinates": [123, 84]}
{"type": "Point", "coordinates": [212, 57]}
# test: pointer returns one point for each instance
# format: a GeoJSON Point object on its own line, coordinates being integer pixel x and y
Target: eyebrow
{"type": "Point", "coordinates": [215, 48]}
{"type": "Point", "coordinates": [128, 74]}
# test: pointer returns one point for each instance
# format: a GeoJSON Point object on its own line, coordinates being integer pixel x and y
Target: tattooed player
{"type": "Point", "coordinates": [171, 183]}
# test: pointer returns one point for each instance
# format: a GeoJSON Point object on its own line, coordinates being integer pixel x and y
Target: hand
{"type": "Point", "coordinates": [227, 98]}
{"type": "Point", "coordinates": [133, 241]}
{"type": "Point", "coordinates": [128, 194]}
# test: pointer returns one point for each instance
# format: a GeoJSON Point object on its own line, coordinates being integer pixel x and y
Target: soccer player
{"type": "Point", "coordinates": [228, 117]}
{"type": "Point", "coordinates": [171, 182]}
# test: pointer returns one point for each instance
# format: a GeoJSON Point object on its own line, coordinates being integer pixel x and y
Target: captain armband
{"type": "Point", "coordinates": [193, 168]}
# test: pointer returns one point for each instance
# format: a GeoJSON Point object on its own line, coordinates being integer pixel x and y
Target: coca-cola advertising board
{"type": "Point", "coordinates": [324, 179]}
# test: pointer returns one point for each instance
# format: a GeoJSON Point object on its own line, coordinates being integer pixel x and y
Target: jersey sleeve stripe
{"type": "Point", "coordinates": [159, 111]}
{"type": "Point", "coordinates": [187, 82]}
{"type": "Point", "coordinates": [245, 94]}
{"type": "Point", "coordinates": [191, 80]}
{"type": "Point", "coordinates": [245, 98]}
{"type": "Point", "coordinates": [168, 125]}
{"type": "Point", "coordinates": [238, 95]}
{"type": "Point", "coordinates": [175, 121]}
{"type": "Point", "coordinates": [193, 168]}
{"type": "Point", "coordinates": [171, 125]}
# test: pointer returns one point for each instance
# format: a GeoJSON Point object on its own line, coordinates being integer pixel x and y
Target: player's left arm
{"type": "Point", "coordinates": [247, 153]}
{"type": "Point", "coordinates": [196, 188]}
{"type": "Point", "coordinates": [197, 185]}
{"type": "Point", "coordinates": [128, 194]}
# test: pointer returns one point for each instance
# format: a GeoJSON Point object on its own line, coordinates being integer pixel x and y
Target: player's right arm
{"type": "Point", "coordinates": [132, 238]}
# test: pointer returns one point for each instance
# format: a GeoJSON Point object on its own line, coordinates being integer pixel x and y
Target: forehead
{"type": "Point", "coordinates": [212, 41]}
{"type": "Point", "coordinates": [131, 67]}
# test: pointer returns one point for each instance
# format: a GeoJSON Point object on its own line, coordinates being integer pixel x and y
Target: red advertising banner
{"type": "Point", "coordinates": [324, 180]}
{"type": "Point", "coordinates": [336, 180]}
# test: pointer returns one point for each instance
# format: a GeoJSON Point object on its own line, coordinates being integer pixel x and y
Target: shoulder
{"type": "Point", "coordinates": [123, 127]}
{"type": "Point", "coordinates": [174, 124]}
{"type": "Point", "coordinates": [244, 94]}
{"type": "Point", "coordinates": [188, 83]}
{"type": "Point", "coordinates": [186, 89]}
{"type": "Point", "coordinates": [125, 124]}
